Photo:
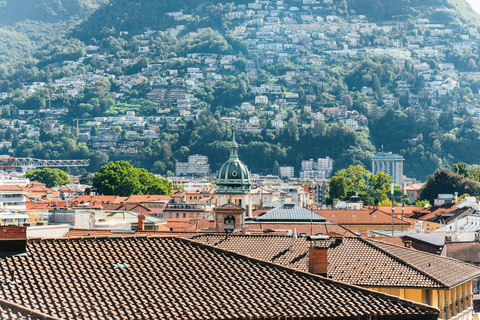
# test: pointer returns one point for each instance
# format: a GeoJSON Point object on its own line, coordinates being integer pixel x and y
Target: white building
{"type": "Point", "coordinates": [254, 121]}
{"type": "Point", "coordinates": [287, 172]}
{"type": "Point", "coordinates": [13, 198]}
{"type": "Point", "coordinates": [196, 165]}
{"type": "Point", "coordinates": [261, 100]}
{"type": "Point", "coordinates": [389, 163]}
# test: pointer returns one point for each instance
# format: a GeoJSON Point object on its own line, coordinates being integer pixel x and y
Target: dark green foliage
{"type": "Point", "coordinates": [13, 11]}
{"type": "Point", "coordinates": [121, 178]}
{"type": "Point", "coordinates": [461, 168]}
{"type": "Point", "coordinates": [441, 11]}
{"type": "Point", "coordinates": [25, 24]}
{"type": "Point", "coordinates": [444, 181]}
{"type": "Point", "coordinates": [134, 17]}
{"type": "Point", "coordinates": [337, 187]}
{"type": "Point", "coordinates": [51, 177]}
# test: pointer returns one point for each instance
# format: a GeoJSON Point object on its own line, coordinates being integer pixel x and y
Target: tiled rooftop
{"type": "Point", "coordinates": [359, 217]}
{"type": "Point", "coordinates": [13, 311]}
{"type": "Point", "coordinates": [172, 278]}
{"type": "Point", "coordinates": [357, 260]}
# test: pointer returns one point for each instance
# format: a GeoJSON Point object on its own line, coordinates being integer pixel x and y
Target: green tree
{"type": "Point", "coordinates": [337, 187]}
{"type": "Point", "coordinates": [445, 181]}
{"type": "Point", "coordinates": [385, 203]}
{"type": "Point", "coordinates": [461, 168]}
{"type": "Point", "coordinates": [475, 173]}
{"type": "Point", "coordinates": [117, 129]}
{"type": "Point", "coordinates": [354, 177]}
{"type": "Point", "coordinates": [422, 203]}
{"type": "Point", "coordinates": [379, 184]}
{"type": "Point", "coordinates": [51, 177]}
{"type": "Point", "coordinates": [122, 179]}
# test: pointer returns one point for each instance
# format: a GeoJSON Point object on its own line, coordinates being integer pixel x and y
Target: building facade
{"type": "Point", "coordinates": [197, 165]}
{"type": "Point", "coordinates": [287, 172]}
{"type": "Point", "coordinates": [389, 163]}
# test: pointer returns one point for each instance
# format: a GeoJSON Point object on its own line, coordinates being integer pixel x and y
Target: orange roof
{"type": "Point", "coordinates": [304, 228]}
{"type": "Point", "coordinates": [392, 240]}
{"type": "Point", "coordinates": [202, 191]}
{"type": "Point", "coordinates": [46, 204]}
{"type": "Point", "coordinates": [179, 193]}
{"type": "Point", "coordinates": [147, 197]}
{"type": "Point", "coordinates": [414, 187]}
{"type": "Point", "coordinates": [11, 188]}
{"type": "Point", "coordinates": [36, 183]}
{"type": "Point", "coordinates": [101, 199]}
{"type": "Point", "coordinates": [187, 224]}
{"type": "Point", "coordinates": [38, 189]}
{"type": "Point", "coordinates": [407, 211]}
{"type": "Point", "coordinates": [359, 217]}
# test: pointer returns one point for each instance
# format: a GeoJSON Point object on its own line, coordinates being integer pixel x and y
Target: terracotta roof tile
{"type": "Point", "coordinates": [305, 228]}
{"type": "Point", "coordinates": [359, 217]}
{"type": "Point", "coordinates": [357, 261]}
{"type": "Point", "coordinates": [173, 278]}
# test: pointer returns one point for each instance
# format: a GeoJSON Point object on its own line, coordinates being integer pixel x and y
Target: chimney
{"type": "Point", "coordinates": [318, 260]}
{"type": "Point", "coordinates": [141, 222]}
{"type": "Point", "coordinates": [407, 243]}
{"type": "Point", "coordinates": [456, 196]}
{"type": "Point", "coordinates": [13, 239]}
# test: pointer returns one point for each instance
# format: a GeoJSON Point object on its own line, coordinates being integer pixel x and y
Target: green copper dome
{"type": "Point", "coordinates": [233, 176]}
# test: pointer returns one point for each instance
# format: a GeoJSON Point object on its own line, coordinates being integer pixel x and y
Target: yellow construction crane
{"type": "Point", "coordinates": [77, 119]}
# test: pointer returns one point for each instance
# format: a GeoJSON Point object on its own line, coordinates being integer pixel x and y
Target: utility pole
{"type": "Point", "coordinates": [393, 211]}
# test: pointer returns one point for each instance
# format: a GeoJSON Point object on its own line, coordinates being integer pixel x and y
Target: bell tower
{"type": "Point", "coordinates": [228, 217]}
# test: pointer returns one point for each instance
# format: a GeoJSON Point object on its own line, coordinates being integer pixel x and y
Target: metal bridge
{"type": "Point", "coordinates": [35, 163]}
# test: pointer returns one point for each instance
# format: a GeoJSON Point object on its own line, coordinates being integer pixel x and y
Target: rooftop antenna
{"type": "Point", "coordinates": [382, 148]}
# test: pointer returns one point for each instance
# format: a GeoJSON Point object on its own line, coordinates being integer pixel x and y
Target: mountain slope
{"type": "Point", "coordinates": [25, 24]}
{"type": "Point", "coordinates": [441, 11]}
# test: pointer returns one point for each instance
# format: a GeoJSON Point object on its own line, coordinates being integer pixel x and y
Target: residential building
{"type": "Point", "coordinates": [287, 172]}
{"type": "Point", "coordinates": [261, 100]}
{"type": "Point", "coordinates": [389, 163]}
{"type": "Point", "coordinates": [196, 165]}
{"type": "Point", "coordinates": [320, 169]}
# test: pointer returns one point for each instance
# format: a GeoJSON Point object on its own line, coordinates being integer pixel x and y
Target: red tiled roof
{"type": "Point", "coordinates": [146, 197]}
{"type": "Point", "coordinates": [359, 217]}
{"type": "Point", "coordinates": [173, 278]}
{"type": "Point", "coordinates": [356, 260]}
{"type": "Point", "coordinates": [11, 188]}
{"type": "Point", "coordinates": [46, 204]}
{"type": "Point", "coordinates": [305, 228]}
{"type": "Point", "coordinates": [101, 199]}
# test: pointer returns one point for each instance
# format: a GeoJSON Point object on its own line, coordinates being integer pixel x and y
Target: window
{"type": "Point", "coordinates": [191, 215]}
{"type": "Point", "coordinates": [177, 215]}
{"type": "Point", "coordinates": [170, 215]}
{"type": "Point", "coordinates": [184, 215]}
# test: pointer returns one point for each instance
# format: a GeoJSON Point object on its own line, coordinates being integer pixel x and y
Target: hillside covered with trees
{"type": "Point", "coordinates": [25, 24]}
{"type": "Point", "coordinates": [296, 82]}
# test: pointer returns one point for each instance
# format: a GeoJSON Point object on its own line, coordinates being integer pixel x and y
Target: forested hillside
{"type": "Point", "coordinates": [25, 24]}
{"type": "Point", "coordinates": [153, 82]}
{"type": "Point", "coordinates": [440, 11]}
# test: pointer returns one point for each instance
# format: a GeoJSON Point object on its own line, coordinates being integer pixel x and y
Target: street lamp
{"type": "Point", "coordinates": [393, 211]}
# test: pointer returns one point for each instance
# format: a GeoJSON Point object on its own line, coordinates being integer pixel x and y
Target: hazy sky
{"type": "Point", "coordinates": [475, 5]}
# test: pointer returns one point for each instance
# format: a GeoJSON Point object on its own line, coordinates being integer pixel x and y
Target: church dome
{"type": "Point", "coordinates": [233, 176]}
